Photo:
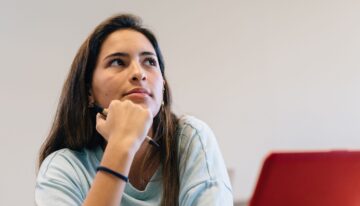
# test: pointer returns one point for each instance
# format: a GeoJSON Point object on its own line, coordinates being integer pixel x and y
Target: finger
{"type": "Point", "coordinates": [105, 112]}
{"type": "Point", "coordinates": [100, 123]}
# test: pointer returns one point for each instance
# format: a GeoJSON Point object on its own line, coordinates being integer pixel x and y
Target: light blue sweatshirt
{"type": "Point", "coordinates": [65, 176]}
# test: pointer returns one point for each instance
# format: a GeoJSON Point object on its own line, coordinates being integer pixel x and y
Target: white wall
{"type": "Point", "coordinates": [265, 75]}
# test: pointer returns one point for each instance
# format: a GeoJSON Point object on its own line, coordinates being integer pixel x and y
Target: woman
{"type": "Point", "coordinates": [92, 158]}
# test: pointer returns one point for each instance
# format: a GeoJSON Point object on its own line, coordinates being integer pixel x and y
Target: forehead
{"type": "Point", "coordinates": [126, 40]}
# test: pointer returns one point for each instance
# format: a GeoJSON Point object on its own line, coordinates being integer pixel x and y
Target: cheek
{"type": "Point", "coordinates": [158, 94]}
{"type": "Point", "coordinates": [158, 88]}
{"type": "Point", "coordinates": [104, 90]}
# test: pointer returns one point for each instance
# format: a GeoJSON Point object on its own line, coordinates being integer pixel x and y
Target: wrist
{"type": "Point", "coordinates": [118, 158]}
{"type": "Point", "coordinates": [127, 143]}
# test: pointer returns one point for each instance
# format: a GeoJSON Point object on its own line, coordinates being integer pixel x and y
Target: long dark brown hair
{"type": "Point", "coordinates": [74, 123]}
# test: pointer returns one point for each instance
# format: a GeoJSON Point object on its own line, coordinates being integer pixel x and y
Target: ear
{"type": "Point", "coordinates": [91, 99]}
{"type": "Point", "coordinates": [163, 89]}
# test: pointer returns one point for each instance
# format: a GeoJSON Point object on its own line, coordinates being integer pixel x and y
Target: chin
{"type": "Point", "coordinates": [154, 108]}
{"type": "Point", "coordinates": [151, 107]}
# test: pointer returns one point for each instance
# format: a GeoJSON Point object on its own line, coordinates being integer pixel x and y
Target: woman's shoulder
{"type": "Point", "coordinates": [68, 160]}
{"type": "Point", "coordinates": [193, 132]}
{"type": "Point", "coordinates": [188, 123]}
{"type": "Point", "coordinates": [200, 161]}
{"type": "Point", "coordinates": [66, 174]}
{"type": "Point", "coordinates": [60, 155]}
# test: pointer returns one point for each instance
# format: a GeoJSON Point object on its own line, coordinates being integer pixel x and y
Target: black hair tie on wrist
{"type": "Point", "coordinates": [112, 172]}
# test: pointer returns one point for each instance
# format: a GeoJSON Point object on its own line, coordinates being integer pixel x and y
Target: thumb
{"type": "Point", "coordinates": [100, 125]}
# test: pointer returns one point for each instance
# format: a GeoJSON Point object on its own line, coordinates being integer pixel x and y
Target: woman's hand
{"type": "Point", "coordinates": [126, 124]}
{"type": "Point", "coordinates": [125, 128]}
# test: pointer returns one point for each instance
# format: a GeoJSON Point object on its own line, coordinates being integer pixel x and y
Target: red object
{"type": "Point", "coordinates": [309, 179]}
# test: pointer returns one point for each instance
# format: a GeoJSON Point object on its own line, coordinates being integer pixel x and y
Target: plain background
{"type": "Point", "coordinates": [264, 74]}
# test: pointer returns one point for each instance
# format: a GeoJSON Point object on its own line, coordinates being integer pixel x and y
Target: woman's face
{"type": "Point", "coordinates": [127, 69]}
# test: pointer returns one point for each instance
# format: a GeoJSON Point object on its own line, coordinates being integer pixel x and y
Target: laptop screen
{"type": "Point", "coordinates": [309, 179]}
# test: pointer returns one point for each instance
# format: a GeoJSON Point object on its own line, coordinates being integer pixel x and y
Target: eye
{"type": "Point", "coordinates": [116, 63]}
{"type": "Point", "coordinates": [151, 61]}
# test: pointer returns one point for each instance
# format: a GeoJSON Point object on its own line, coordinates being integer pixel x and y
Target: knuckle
{"type": "Point", "coordinates": [111, 104]}
{"type": "Point", "coordinates": [97, 127]}
{"type": "Point", "coordinates": [114, 103]}
{"type": "Point", "coordinates": [125, 103]}
{"type": "Point", "coordinates": [148, 113]}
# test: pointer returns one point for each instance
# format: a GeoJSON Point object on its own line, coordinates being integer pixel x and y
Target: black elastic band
{"type": "Point", "coordinates": [105, 169]}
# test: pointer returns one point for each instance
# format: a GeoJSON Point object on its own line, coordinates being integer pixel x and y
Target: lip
{"type": "Point", "coordinates": [140, 91]}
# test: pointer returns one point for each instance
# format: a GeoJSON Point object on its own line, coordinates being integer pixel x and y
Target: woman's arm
{"type": "Point", "coordinates": [107, 189]}
{"type": "Point", "coordinates": [69, 178]}
{"type": "Point", "coordinates": [125, 128]}
{"type": "Point", "coordinates": [65, 176]}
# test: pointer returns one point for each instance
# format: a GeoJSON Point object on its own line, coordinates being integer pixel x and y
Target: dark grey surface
{"type": "Point", "coordinates": [240, 203]}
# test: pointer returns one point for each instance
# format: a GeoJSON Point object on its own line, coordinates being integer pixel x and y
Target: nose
{"type": "Point", "coordinates": [138, 73]}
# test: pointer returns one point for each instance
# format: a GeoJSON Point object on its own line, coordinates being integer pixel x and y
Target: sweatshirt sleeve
{"type": "Point", "coordinates": [58, 182]}
{"type": "Point", "coordinates": [203, 175]}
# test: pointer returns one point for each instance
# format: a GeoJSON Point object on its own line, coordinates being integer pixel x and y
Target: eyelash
{"type": "Point", "coordinates": [120, 63]}
{"type": "Point", "coordinates": [151, 61]}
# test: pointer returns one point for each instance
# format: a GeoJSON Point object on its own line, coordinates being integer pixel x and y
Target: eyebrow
{"type": "Point", "coordinates": [116, 54]}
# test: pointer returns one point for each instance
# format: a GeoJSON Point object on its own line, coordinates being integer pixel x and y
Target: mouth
{"type": "Point", "coordinates": [138, 92]}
